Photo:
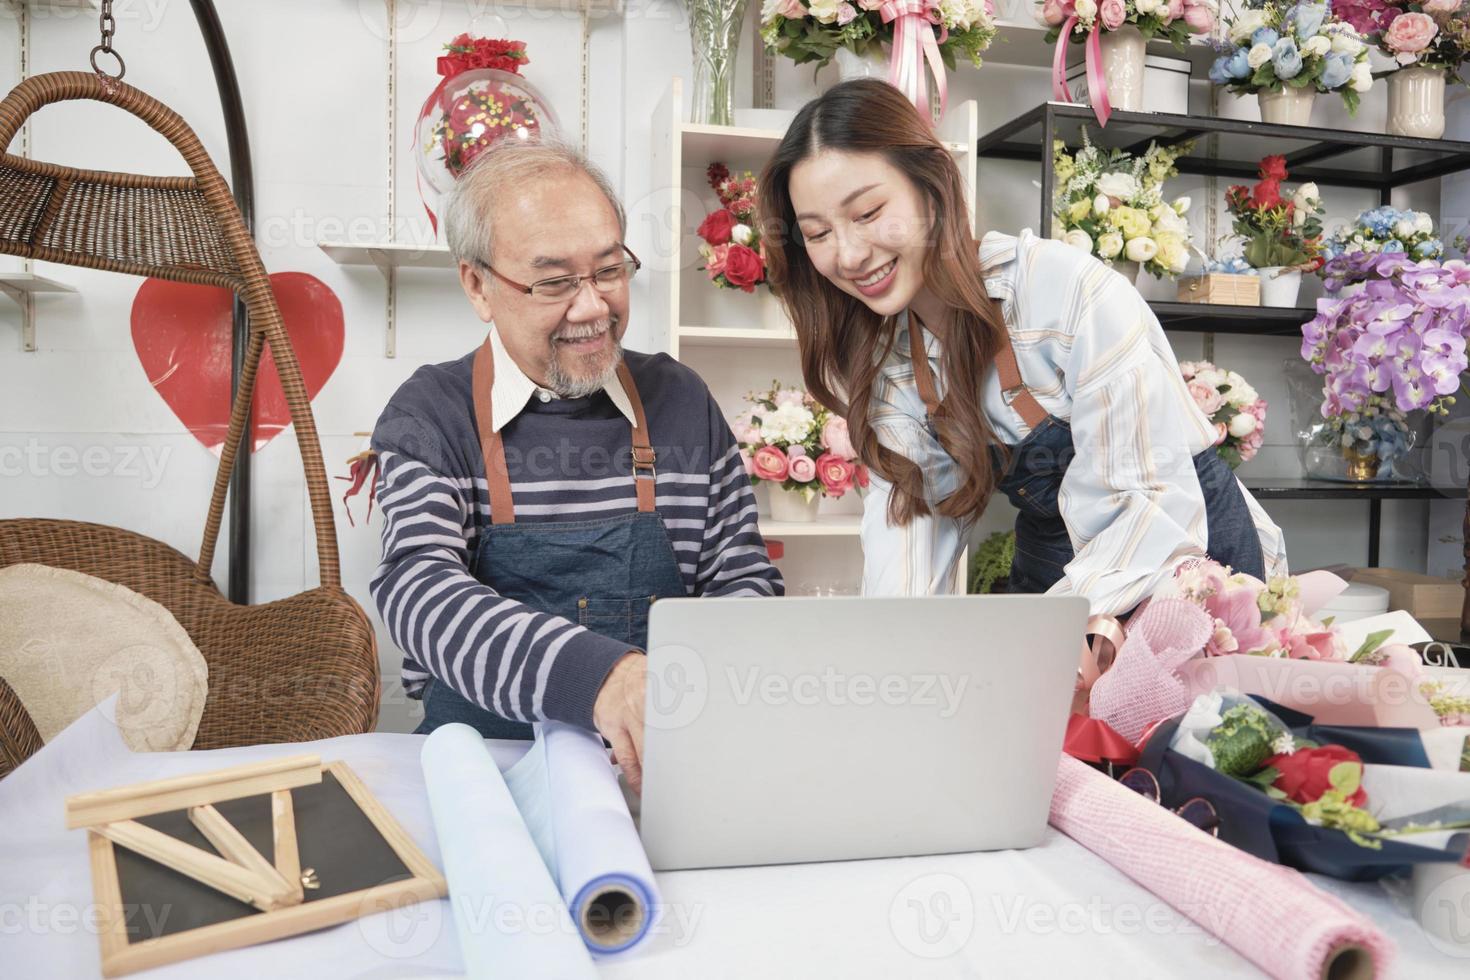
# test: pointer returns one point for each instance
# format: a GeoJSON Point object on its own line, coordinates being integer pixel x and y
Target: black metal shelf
{"type": "Point", "coordinates": [1231, 147]}
{"type": "Point", "coordinates": [1306, 488]}
{"type": "Point", "coordinates": [1270, 321]}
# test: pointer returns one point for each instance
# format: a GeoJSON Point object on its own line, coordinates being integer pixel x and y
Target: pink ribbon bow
{"type": "Point", "coordinates": [1097, 82]}
{"type": "Point", "coordinates": [914, 43]}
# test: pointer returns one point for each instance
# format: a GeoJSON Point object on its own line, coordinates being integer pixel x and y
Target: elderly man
{"type": "Point", "coordinates": [541, 492]}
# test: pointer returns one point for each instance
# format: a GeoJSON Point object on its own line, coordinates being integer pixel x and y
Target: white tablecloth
{"type": "Point", "coordinates": [1054, 910]}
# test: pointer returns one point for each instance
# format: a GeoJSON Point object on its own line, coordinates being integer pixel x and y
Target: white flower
{"type": "Point", "coordinates": [1316, 46]}
{"type": "Point", "coordinates": [1181, 205]}
{"type": "Point", "coordinates": [1346, 41]}
{"type": "Point", "coordinates": [1246, 24]}
{"type": "Point", "coordinates": [1212, 377]}
{"type": "Point", "coordinates": [1079, 239]}
{"type": "Point", "coordinates": [825, 11]}
{"type": "Point", "coordinates": [787, 424]}
{"type": "Point", "coordinates": [1423, 223]}
{"type": "Point", "coordinates": [1307, 194]}
{"type": "Point", "coordinates": [1242, 425]}
{"type": "Point", "coordinates": [1173, 253]}
{"type": "Point", "coordinates": [1141, 249]}
{"type": "Point", "coordinates": [1109, 244]}
{"type": "Point", "coordinates": [1362, 77]}
{"type": "Point", "coordinates": [1258, 55]}
{"type": "Point", "coordinates": [1168, 220]}
{"type": "Point", "coordinates": [1086, 9]}
{"type": "Point", "coordinates": [1404, 228]}
{"type": "Point", "coordinates": [742, 234]}
{"type": "Point", "coordinates": [1298, 218]}
{"type": "Point", "coordinates": [1145, 6]}
{"type": "Point", "coordinates": [1202, 718]}
{"type": "Point", "coordinates": [1119, 184]}
{"type": "Point", "coordinates": [1101, 204]}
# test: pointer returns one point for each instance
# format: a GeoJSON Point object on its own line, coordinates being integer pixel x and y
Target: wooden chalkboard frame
{"type": "Point", "coordinates": [121, 956]}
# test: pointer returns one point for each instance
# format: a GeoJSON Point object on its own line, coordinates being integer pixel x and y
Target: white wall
{"type": "Point", "coordinates": [315, 83]}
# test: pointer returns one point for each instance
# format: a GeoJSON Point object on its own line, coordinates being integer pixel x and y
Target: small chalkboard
{"type": "Point", "coordinates": [355, 856]}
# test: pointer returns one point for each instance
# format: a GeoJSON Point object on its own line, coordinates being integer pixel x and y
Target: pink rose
{"type": "Point", "coordinates": [1402, 658]}
{"type": "Point", "coordinates": [1206, 397]}
{"type": "Point", "coordinates": [749, 466]}
{"type": "Point", "coordinates": [1316, 645]}
{"type": "Point", "coordinates": [1189, 369]}
{"type": "Point", "coordinates": [1441, 6]}
{"type": "Point", "coordinates": [715, 264]}
{"type": "Point", "coordinates": [835, 473]}
{"type": "Point", "coordinates": [836, 439]}
{"type": "Point", "coordinates": [803, 468]}
{"type": "Point", "coordinates": [1113, 13]}
{"type": "Point", "coordinates": [793, 9]}
{"type": "Point", "coordinates": [1175, 11]}
{"type": "Point", "coordinates": [1221, 433]}
{"type": "Point", "coordinates": [794, 450]}
{"type": "Point", "coordinates": [846, 13]}
{"type": "Point", "coordinates": [789, 396]}
{"type": "Point", "coordinates": [1410, 33]}
{"type": "Point", "coordinates": [865, 4]}
{"type": "Point", "coordinates": [769, 463]}
{"type": "Point", "coordinates": [1200, 18]}
{"type": "Point", "coordinates": [745, 429]}
{"type": "Point", "coordinates": [1053, 12]}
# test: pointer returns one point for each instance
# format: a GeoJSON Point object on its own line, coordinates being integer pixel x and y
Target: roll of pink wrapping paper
{"type": "Point", "coordinates": [1271, 915]}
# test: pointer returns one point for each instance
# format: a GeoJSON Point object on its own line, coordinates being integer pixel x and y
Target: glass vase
{"type": "Point", "coordinates": [714, 33]}
{"type": "Point", "coordinates": [1359, 447]}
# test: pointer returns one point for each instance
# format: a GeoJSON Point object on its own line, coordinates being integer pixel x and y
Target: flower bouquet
{"type": "Point", "coordinates": [1238, 412]}
{"type": "Point", "coordinates": [919, 32]}
{"type": "Point", "coordinates": [789, 439]}
{"type": "Point", "coordinates": [1396, 347]}
{"type": "Point", "coordinates": [731, 245]}
{"type": "Point", "coordinates": [1282, 235]}
{"type": "Point", "coordinates": [1386, 229]}
{"type": "Point", "coordinates": [1429, 40]}
{"type": "Point", "coordinates": [1110, 204]}
{"type": "Point", "coordinates": [1286, 53]}
{"type": "Point", "coordinates": [1116, 34]}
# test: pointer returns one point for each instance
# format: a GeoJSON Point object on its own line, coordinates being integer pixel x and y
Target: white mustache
{"type": "Point", "coordinates": [583, 330]}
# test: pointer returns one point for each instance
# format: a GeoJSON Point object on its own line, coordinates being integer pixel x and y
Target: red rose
{"type": "Point", "coordinates": [1267, 194]}
{"type": "Point", "coordinates": [1274, 168]}
{"type": "Point", "coordinates": [744, 268]}
{"type": "Point", "coordinates": [769, 463]}
{"type": "Point", "coordinates": [715, 228]}
{"type": "Point", "coordinates": [835, 473]}
{"type": "Point", "coordinates": [1305, 773]}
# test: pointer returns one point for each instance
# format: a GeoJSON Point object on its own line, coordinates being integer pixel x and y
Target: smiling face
{"type": "Point", "coordinates": [558, 225]}
{"type": "Point", "coordinates": [865, 226]}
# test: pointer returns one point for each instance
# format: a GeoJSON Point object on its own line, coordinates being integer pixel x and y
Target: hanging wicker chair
{"type": "Point", "coordinates": [298, 669]}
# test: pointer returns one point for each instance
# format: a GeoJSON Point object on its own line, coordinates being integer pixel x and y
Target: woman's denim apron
{"type": "Point", "coordinates": [601, 574]}
{"type": "Point", "coordinates": [1033, 479]}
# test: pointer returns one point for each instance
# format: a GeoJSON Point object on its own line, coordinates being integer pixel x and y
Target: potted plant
{"type": "Point", "coordinates": [1282, 234]}
{"type": "Point", "coordinates": [1285, 54]}
{"type": "Point", "coordinates": [788, 439]}
{"type": "Point", "coordinates": [1429, 41]}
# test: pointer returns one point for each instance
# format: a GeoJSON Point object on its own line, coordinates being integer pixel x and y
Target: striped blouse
{"type": "Point", "coordinates": [1092, 352]}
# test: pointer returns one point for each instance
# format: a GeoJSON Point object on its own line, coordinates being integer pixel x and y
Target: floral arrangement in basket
{"type": "Point", "coordinates": [786, 437]}
{"type": "Point", "coordinates": [1387, 229]}
{"type": "Point", "coordinates": [1238, 412]}
{"type": "Point", "coordinates": [813, 30]}
{"type": "Point", "coordinates": [1277, 231]}
{"type": "Point", "coordinates": [1419, 34]}
{"type": "Point", "coordinates": [731, 245]}
{"type": "Point", "coordinates": [1275, 45]}
{"type": "Point", "coordinates": [1111, 204]}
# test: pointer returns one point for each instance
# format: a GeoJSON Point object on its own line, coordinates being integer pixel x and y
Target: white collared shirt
{"type": "Point", "coordinates": [1091, 352]}
{"type": "Point", "coordinates": [513, 389]}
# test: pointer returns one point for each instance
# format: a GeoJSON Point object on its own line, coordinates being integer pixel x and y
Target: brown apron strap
{"type": "Point", "coordinates": [643, 454]}
{"type": "Point", "coordinates": [1012, 388]}
{"type": "Point", "coordinates": [492, 450]}
{"type": "Point", "coordinates": [497, 475]}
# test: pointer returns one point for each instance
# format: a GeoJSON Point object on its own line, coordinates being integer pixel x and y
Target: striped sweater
{"type": "Point", "coordinates": [568, 460]}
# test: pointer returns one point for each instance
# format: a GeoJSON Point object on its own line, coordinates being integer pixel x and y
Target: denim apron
{"type": "Point", "coordinates": [602, 574]}
{"type": "Point", "coordinates": [1032, 481]}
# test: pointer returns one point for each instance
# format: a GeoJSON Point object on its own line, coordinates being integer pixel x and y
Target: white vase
{"type": "Point", "coordinates": [790, 507]}
{"type": "Point", "coordinates": [1279, 287]}
{"type": "Point", "coordinates": [1128, 270]}
{"type": "Point", "coordinates": [1289, 107]}
{"type": "Point", "coordinates": [773, 315]}
{"type": "Point", "coordinates": [873, 64]}
{"type": "Point", "coordinates": [1416, 103]}
{"type": "Point", "coordinates": [1122, 57]}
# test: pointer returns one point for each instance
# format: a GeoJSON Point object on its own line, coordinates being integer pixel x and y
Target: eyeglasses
{"type": "Point", "coordinates": [1198, 811]}
{"type": "Point", "coordinates": [608, 279]}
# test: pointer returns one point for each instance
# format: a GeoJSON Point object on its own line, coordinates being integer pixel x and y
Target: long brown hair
{"type": "Point", "coordinates": [843, 343]}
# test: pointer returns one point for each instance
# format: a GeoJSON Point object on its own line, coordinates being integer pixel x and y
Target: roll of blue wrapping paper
{"type": "Point", "coordinates": [511, 919]}
{"type": "Point", "coordinates": [568, 792]}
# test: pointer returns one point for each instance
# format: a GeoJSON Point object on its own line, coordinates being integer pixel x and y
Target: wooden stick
{"type": "Point", "coordinates": [189, 860]}
{"type": "Point", "coordinates": [233, 847]}
{"type": "Point", "coordinates": [198, 789]}
{"type": "Point", "coordinates": [287, 854]}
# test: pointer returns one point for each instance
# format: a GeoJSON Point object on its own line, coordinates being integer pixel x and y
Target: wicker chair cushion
{"type": "Point", "coordinates": [68, 641]}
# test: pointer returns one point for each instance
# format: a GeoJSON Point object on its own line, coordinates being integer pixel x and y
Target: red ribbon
{"type": "Point", "coordinates": [1097, 81]}
{"type": "Point", "coordinates": [363, 469]}
{"type": "Point", "coordinates": [914, 43]}
{"type": "Point", "coordinates": [1093, 740]}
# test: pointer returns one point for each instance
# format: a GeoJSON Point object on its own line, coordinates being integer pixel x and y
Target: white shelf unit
{"type": "Point", "coordinates": [22, 289]}
{"type": "Point", "coordinates": [388, 255]}
{"type": "Point", "coordinates": [719, 332]}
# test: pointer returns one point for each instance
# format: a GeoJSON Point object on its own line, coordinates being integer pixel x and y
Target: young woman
{"type": "Point", "coordinates": [1015, 363]}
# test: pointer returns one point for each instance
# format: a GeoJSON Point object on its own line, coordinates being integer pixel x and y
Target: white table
{"type": "Point", "coordinates": [1054, 910]}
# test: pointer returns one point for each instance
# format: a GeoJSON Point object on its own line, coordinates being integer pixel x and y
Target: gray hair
{"type": "Point", "coordinates": [505, 166]}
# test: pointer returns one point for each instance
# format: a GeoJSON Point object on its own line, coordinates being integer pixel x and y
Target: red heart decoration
{"type": "Point", "coordinates": [182, 335]}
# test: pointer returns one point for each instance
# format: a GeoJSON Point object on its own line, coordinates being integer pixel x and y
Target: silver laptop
{"type": "Point", "coordinates": [820, 729]}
